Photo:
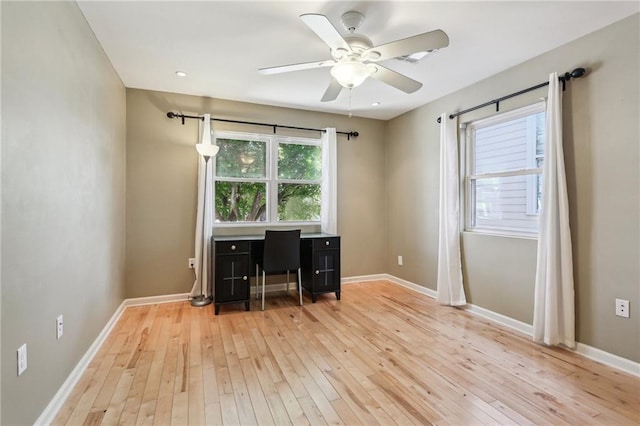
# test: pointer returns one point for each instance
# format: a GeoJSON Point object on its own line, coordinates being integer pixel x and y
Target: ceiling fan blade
{"type": "Point", "coordinates": [332, 91]}
{"type": "Point", "coordinates": [296, 67]}
{"type": "Point", "coordinates": [420, 43]}
{"type": "Point", "coordinates": [324, 29]}
{"type": "Point", "coordinates": [395, 79]}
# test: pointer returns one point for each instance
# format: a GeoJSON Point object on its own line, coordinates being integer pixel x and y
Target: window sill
{"type": "Point", "coordinates": [263, 224]}
{"type": "Point", "coordinates": [503, 235]}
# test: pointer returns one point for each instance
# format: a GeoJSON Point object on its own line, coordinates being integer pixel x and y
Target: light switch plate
{"type": "Point", "coordinates": [22, 359]}
{"type": "Point", "coordinates": [59, 327]}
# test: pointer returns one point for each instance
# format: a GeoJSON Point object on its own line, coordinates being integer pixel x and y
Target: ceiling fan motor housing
{"type": "Point", "coordinates": [352, 20]}
{"type": "Point", "coordinates": [358, 44]}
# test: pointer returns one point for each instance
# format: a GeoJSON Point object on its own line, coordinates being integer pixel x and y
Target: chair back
{"type": "Point", "coordinates": [281, 250]}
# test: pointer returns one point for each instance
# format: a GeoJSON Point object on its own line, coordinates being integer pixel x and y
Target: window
{"type": "Point", "coordinates": [267, 179]}
{"type": "Point", "coordinates": [504, 172]}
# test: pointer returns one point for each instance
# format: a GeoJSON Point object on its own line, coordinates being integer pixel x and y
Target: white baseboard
{"type": "Point", "coordinates": [50, 412]}
{"type": "Point", "coordinates": [504, 320]}
{"type": "Point", "coordinates": [603, 357]}
{"type": "Point", "coordinates": [152, 300]}
{"type": "Point", "coordinates": [364, 278]}
{"type": "Point", "coordinates": [275, 288]}
{"type": "Point", "coordinates": [412, 286]}
{"type": "Point", "coordinates": [609, 359]}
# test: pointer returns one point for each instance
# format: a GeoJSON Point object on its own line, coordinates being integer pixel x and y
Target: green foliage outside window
{"type": "Point", "coordinates": [298, 202]}
{"type": "Point", "coordinates": [241, 158]}
{"type": "Point", "coordinates": [302, 162]}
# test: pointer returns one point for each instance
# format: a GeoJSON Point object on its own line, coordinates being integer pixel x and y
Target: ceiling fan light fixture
{"type": "Point", "coordinates": [352, 74]}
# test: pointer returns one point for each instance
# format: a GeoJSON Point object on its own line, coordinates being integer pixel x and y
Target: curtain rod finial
{"type": "Point", "coordinates": [171, 114]}
{"type": "Point", "coordinates": [578, 72]}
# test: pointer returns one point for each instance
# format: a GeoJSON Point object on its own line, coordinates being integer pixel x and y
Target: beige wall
{"type": "Point", "coordinates": [63, 194]}
{"type": "Point", "coordinates": [602, 162]}
{"type": "Point", "coordinates": [161, 185]}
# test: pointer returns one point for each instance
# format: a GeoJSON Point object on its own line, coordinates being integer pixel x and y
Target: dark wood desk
{"type": "Point", "coordinates": [234, 257]}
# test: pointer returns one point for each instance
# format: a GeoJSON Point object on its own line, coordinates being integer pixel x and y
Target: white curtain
{"type": "Point", "coordinates": [450, 284]}
{"type": "Point", "coordinates": [554, 311]}
{"type": "Point", "coordinates": [329, 209]}
{"type": "Point", "coordinates": [204, 230]}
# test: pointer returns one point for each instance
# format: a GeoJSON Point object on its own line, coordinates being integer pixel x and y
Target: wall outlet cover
{"type": "Point", "coordinates": [622, 308]}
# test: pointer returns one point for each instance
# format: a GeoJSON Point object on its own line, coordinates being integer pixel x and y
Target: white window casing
{"type": "Point", "coordinates": [270, 178]}
{"type": "Point", "coordinates": [502, 172]}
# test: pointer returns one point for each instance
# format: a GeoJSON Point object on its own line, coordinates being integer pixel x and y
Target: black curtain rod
{"type": "Point", "coordinates": [576, 73]}
{"type": "Point", "coordinates": [170, 114]}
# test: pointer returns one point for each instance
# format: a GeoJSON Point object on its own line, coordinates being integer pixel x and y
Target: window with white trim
{"type": "Point", "coordinates": [267, 179]}
{"type": "Point", "coordinates": [504, 172]}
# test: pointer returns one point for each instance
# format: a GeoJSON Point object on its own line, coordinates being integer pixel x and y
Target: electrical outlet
{"type": "Point", "coordinates": [192, 262]}
{"type": "Point", "coordinates": [22, 359]}
{"type": "Point", "coordinates": [622, 308]}
{"type": "Point", "coordinates": [399, 260]}
{"type": "Point", "coordinates": [59, 327]}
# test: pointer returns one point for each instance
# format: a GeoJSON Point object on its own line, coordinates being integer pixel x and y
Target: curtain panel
{"type": "Point", "coordinates": [554, 309]}
{"type": "Point", "coordinates": [204, 215]}
{"type": "Point", "coordinates": [329, 186]}
{"type": "Point", "coordinates": [450, 289]}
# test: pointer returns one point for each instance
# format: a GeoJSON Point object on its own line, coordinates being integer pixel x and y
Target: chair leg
{"type": "Point", "coordinates": [263, 279]}
{"type": "Point", "coordinates": [257, 283]}
{"type": "Point", "coordinates": [300, 286]}
{"type": "Point", "coordinates": [287, 281]}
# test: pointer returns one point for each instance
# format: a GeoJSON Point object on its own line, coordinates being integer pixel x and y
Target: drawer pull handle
{"type": "Point", "coordinates": [244, 278]}
{"type": "Point", "coordinates": [326, 243]}
{"type": "Point", "coordinates": [233, 247]}
{"type": "Point", "coordinates": [317, 272]}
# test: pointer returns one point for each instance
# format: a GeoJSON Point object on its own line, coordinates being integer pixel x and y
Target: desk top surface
{"type": "Point", "coordinates": [261, 237]}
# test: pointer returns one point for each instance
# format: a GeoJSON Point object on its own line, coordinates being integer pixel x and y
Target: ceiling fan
{"type": "Point", "coordinates": [355, 58]}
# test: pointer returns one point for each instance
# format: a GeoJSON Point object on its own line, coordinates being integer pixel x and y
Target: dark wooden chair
{"type": "Point", "coordinates": [281, 255]}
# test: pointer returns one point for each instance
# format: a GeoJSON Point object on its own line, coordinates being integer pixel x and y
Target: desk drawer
{"type": "Point", "coordinates": [231, 247]}
{"type": "Point", "coordinates": [326, 243]}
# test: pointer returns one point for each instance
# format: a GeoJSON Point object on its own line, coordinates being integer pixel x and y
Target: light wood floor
{"type": "Point", "coordinates": [382, 355]}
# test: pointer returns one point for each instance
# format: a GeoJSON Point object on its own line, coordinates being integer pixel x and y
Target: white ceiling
{"type": "Point", "coordinates": [221, 45]}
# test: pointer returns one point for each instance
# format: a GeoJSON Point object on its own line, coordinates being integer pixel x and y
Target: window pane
{"type": "Point", "coordinates": [241, 202]}
{"type": "Point", "coordinates": [501, 204]}
{"type": "Point", "coordinates": [302, 162]}
{"type": "Point", "coordinates": [538, 193]}
{"type": "Point", "coordinates": [241, 158]}
{"type": "Point", "coordinates": [298, 202]}
{"type": "Point", "coordinates": [540, 133]}
{"type": "Point", "coordinates": [504, 146]}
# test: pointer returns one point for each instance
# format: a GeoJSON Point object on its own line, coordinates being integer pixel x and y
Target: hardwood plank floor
{"type": "Point", "coordinates": [382, 355]}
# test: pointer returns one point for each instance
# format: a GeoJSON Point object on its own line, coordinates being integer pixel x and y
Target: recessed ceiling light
{"type": "Point", "coordinates": [181, 73]}
{"type": "Point", "coordinates": [375, 104]}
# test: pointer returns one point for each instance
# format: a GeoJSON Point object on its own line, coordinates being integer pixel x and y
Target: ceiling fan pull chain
{"type": "Point", "coordinates": [350, 102]}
